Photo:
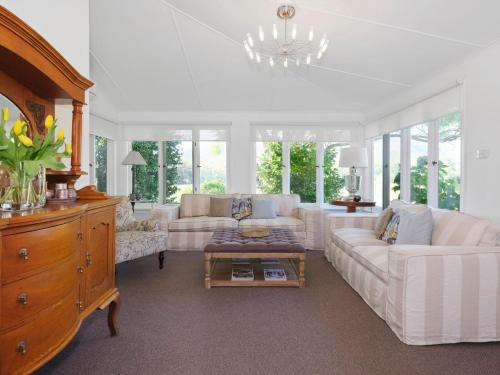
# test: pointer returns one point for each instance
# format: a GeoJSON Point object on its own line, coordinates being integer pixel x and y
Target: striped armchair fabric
{"type": "Point", "coordinates": [446, 292]}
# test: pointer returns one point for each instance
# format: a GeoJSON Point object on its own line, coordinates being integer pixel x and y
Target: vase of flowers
{"type": "Point", "coordinates": [23, 163]}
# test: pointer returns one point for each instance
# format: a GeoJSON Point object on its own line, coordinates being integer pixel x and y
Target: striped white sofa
{"type": "Point", "coordinates": [190, 227]}
{"type": "Point", "coordinates": [446, 292]}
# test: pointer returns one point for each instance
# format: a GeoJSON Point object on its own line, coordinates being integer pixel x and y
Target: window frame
{"type": "Point", "coordinates": [433, 158]}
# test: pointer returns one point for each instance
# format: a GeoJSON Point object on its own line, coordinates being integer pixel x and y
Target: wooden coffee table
{"type": "Point", "coordinates": [227, 244]}
{"type": "Point", "coordinates": [351, 205]}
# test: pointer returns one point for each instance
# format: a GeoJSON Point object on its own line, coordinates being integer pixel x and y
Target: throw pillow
{"type": "Point", "coordinates": [382, 221]}
{"type": "Point", "coordinates": [241, 208]}
{"type": "Point", "coordinates": [415, 228]}
{"type": "Point", "coordinates": [263, 209]}
{"type": "Point", "coordinates": [221, 207]}
{"type": "Point", "coordinates": [391, 232]}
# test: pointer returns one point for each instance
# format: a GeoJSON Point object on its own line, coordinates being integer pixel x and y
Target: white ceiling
{"type": "Point", "coordinates": [183, 55]}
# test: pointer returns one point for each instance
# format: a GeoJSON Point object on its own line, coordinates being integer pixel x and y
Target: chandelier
{"type": "Point", "coordinates": [284, 48]}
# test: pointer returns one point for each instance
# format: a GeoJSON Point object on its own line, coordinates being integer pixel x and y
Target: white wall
{"type": "Point", "coordinates": [65, 25]}
{"type": "Point", "coordinates": [481, 105]}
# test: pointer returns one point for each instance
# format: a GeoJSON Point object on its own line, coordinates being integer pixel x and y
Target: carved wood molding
{"type": "Point", "coordinates": [20, 39]}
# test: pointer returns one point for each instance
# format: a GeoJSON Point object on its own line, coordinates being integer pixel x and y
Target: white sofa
{"type": "Point", "coordinates": [446, 292]}
{"type": "Point", "coordinates": [190, 227]}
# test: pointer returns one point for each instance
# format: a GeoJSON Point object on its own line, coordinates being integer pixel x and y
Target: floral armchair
{"type": "Point", "coordinates": [135, 239]}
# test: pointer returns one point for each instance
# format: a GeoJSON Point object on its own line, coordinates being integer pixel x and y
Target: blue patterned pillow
{"type": "Point", "coordinates": [242, 208]}
{"type": "Point", "coordinates": [391, 231]}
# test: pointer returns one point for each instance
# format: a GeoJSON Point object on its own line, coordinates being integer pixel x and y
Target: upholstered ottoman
{"type": "Point", "coordinates": [281, 244]}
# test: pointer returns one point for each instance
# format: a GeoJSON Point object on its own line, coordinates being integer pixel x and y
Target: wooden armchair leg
{"type": "Point", "coordinates": [161, 258]}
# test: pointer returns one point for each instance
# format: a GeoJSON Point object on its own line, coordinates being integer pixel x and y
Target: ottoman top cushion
{"type": "Point", "coordinates": [230, 240]}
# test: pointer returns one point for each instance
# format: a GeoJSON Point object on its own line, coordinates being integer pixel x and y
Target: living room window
{"type": "Point", "coordinates": [195, 160]}
{"type": "Point", "coordinates": [421, 164]}
{"type": "Point", "coordinates": [145, 177]}
{"type": "Point", "coordinates": [99, 155]}
{"type": "Point", "coordinates": [309, 169]}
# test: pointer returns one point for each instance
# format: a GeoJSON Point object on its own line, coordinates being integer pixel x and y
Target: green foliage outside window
{"type": "Point", "coordinates": [173, 161]}
{"type": "Point", "coordinates": [146, 176]}
{"type": "Point", "coordinates": [101, 162]}
{"type": "Point", "coordinates": [302, 170]}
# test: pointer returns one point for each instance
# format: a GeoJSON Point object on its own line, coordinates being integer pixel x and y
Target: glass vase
{"type": "Point", "coordinates": [20, 191]}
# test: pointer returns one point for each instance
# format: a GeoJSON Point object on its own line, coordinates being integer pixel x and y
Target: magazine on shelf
{"type": "Point", "coordinates": [242, 274]}
{"type": "Point", "coordinates": [274, 274]}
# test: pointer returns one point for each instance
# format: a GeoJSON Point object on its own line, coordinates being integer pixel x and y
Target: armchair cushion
{"type": "Point", "coordinates": [124, 215]}
{"type": "Point", "coordinates": [135, 244]}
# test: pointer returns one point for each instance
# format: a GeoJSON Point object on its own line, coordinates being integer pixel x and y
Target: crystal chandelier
{"type": "Point", "coordinates": [284, 48]}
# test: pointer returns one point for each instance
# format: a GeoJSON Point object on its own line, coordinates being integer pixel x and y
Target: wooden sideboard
{"type": "Point", "coordinates": [57, 266]}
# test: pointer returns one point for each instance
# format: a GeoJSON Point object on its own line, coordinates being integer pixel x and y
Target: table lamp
{"type": "Point", "coordinates": [133, 158]}
{"type": "Point", "coordinates": [353, 158]}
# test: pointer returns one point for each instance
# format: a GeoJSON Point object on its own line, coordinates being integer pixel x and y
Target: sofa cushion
{"type": "Point", "coordinates": [457, 229]}
{"type": "Point", "coordinates": [135, 244]}
{"type": "Point", "coordinates": [491, 236]}
{"type": "Point", "coordinates": [382, 222]}
{"type": "Point", "coordinates": [283, 222]}
{"type": "Point", "coordinates": [374, 258]}
{"type": "Point", "coordinates": [286, 204]}
{"type": "Point", "coordinates": [347, 238]}
{"type": "Point", "coordinates": [201, 224]}
{"type": "Point", "coordinates": [415, 228]}
{"type": "Point", "coordinates": [199, 204]}
{"type": "Point", "coordinates": [221, 207]}
{"type": "Point", "coordinates": [263, 209]}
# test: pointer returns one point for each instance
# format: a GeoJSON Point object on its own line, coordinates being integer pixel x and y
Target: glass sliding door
{"type": "Point", "coordinates": [212, 167]}
{"type": "Point", "coordinates": [303, 170]}
{"type": "Point", "coordinates": [269, 171]}
{"type": "Point", "coordinates": [178, 171]}
{"type": "Point", "coordinates": [145, 177]}
{"type": "Point", "coordinates": [333, 182]}
{"type": "Point", "coordinates": [449, 130]}
{"type": "Point", "coordinates": [101, 163]}
{"type": "Point", "coordinates": [419, 171]}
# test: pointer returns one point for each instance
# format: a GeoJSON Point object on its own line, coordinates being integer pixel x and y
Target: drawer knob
{"type": "Point", "coordinates": [79, 304]}
{"type": "Point", "coordinates": [23, 253]}
{"type": "Point", "coordinates": [21, 347]}
{"type": "Point", "coordinates": [80, 269]}
{"type": "Point", "coordinates": [22, 298]}
{"type": "Point", "coordinates": [89, 259]}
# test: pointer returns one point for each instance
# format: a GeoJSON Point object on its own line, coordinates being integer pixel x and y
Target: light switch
{"type": "Point", "coordinates": [482, 154]}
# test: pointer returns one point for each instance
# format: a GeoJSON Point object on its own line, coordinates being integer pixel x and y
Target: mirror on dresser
{"type": "Point", "coordinates": [15, 112]}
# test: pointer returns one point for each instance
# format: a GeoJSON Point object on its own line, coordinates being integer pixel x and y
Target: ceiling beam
{"type": "Point", "coordinates": [240, 45]}
{"type": "Point", "coordinates": [107, 73]}
{"type": "Point", "coordinates": [393, 27]}
{"type": "Point", "coordinates": [186, 58]}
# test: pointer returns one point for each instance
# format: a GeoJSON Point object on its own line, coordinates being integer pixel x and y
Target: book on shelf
{"type": "Point", "coordinates": [242, 274]}
{"type": "Point", "coordinates": [274, 274]}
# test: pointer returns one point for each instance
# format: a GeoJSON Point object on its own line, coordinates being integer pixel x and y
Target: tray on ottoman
{"type": "Point", "coordinates": [228, 243]}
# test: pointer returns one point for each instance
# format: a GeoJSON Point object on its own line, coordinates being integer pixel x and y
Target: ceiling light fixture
{"type": "Point", "coordinates": [287, 48]}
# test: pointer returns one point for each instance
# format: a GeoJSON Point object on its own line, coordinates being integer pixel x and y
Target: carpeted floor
{"type": "Point", "coordinates": [170, 324]}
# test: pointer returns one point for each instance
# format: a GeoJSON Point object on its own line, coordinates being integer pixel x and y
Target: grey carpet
{"type": "Point", "coordinates": [170, 324]}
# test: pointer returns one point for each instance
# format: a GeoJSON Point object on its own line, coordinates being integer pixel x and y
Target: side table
{"type": "Point", "coordinates": [351, 205]}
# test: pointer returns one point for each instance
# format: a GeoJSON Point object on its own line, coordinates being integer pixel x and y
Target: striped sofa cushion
{"type": "Point", "coordinates": [199, 204]}
{"type": "Point", "coordinates": [348, 238]}
{"type": "Point", "coordinates": [292, 223]}
{"type": "Point", "coordinates": [286, 204]}
{"type": "Point", "coordinates": [374, 258]}
{"type": "Point", "coordinates": [201, 224]}
{"type": "Point", "coordinates": [457, 228]}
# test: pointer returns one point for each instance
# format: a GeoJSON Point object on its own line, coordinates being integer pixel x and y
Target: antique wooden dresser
{"type": "Point", "coordinates": [57, 264]}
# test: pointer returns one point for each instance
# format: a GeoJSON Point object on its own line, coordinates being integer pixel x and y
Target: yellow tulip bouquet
{"type": "Point", "coordinates": [23, 162]}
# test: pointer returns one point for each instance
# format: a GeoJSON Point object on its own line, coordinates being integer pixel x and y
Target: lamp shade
{"type": "Point", "coordinates": [353, 157]}
{"type": "Point", "coordinates": [134, 158]}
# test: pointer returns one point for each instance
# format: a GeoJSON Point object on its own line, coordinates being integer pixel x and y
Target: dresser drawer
{"type": "Point", "coordinates": [24, 298]}
{"type": "Point", "coordinates": [28, 344]}
{"type": "Point", "coordinates": [25, 253]}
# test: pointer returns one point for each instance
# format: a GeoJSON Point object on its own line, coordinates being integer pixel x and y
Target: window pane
{"type": "Point", "coordinates": [269, 167]}
{"type": "Point", "coordinates": [395, 165]}
{"type": "Point", "coordinates": [449, 161]}
{"type": "Point", "coordinates": [378, 164]}
{"type": "Point", "coordinates": [333, 181]}
{"type": "Point", "coordinates": [101, 163]}
{"type": "Point", "coordinates": [303, 170]}
{"type": "Point", "coordinates": [419, 171]}
{"type": "Point", "coordinates": [145, 177]}
{"type": "Point", "coordinates": [213, 167]}
{"type": "Point", "coordinates": [178, 170]}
